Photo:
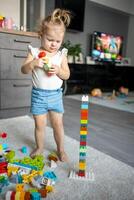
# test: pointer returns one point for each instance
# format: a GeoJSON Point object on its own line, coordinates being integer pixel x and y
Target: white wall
{"type": "Point", "coordinates": [11, 8]}
{"type": "Point", "coordinates": [127, 7]}
{"type": "Point", "coordinates": [130, 43]}
{"type": "Point", "coordinates": [122, 5]}
{"type": "Point", "coordinates": [132, 7]}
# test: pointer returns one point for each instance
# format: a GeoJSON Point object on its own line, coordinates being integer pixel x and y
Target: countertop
{"type": "Point", "coordinates": [16, 32]}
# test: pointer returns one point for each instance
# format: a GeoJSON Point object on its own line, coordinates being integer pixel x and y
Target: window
{"type": "Point", "coordinates": [31, 11]}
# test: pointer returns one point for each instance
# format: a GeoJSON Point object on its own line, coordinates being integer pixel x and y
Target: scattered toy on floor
{"type": "Point", "coordinates": [96, 92]}
{"type": "Point", "coordinates": [123, 92]}
{"type": "Point", "coordinates": [3, 135]}
{"type": "Point", "coordinates": [25, 171]}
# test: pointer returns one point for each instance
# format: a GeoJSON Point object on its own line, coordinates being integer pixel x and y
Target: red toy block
{"type": "Point", "coordinates": [84, 114]}
{"type": "Point", "coordinates": [83, 128]}
{"type": "Point", "coordinates": [27, 196]}
{"type": "Point", "coordinates": [43, 192]}
{"type": "Point", "coordinates": [3, 167]}
{"type": "Point", "coordinates": [3, 135]}
{"type": "Point", "coordinates": [82, 174]}
{"type": "Point", "coordinates": [13, 195]}
{"type": "Point", "coordinates": [83, 143]}
{"type": "Point", "coordinates": [84, 111]}
{"type": "Point", "coordinates": [3, 164]}
{"type": "Point", "coordinates": [42, 54]}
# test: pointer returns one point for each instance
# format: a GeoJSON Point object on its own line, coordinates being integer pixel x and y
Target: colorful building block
{"type": "Point", "coordinates": [35, 196]}
{"type": "Point", "coordinates": [17, 195]}
{"type": "Point", "coordinates": [43, 192]}
{"type": "Point", "coordinates": [82, 174]}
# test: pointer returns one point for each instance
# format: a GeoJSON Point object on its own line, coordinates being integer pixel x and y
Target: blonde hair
{"type": "Point", "coordinates": [58, 17]}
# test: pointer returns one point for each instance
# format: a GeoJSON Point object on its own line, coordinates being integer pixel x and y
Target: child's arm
{"type": "Point", "coordinates": [62, 72]}
{"type": "Point", "coordinates": [27, 65]}
{"type": "Point", "coordinates": [30, 63]}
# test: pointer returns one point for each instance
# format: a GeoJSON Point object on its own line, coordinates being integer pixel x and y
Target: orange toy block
{"type": "Point", "coordinates": [84, 114]}
{"type": "Point", "coordinates": [22, 195]}
{"type": "Point", "coordinates": [19, 187]}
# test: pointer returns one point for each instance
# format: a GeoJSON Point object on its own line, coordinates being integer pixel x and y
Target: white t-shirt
{"type": "Point", "coordinates": [40, 79]}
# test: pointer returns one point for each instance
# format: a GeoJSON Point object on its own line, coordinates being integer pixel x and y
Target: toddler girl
{"type": "Point", "coordinates": [46, 95]}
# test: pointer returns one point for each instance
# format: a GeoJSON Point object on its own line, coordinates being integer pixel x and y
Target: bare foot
{"type": "Point", "coordinates": [36, 152]}
{"type": "Point", "coordinates": [63, 156]}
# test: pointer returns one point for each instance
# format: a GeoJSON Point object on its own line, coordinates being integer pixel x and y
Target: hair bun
{"type": "Point", "coordinates": [62, 15]}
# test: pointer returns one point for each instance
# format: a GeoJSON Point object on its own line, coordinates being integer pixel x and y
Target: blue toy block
{"type": "Point", "coordinates": [82, 154]}
{"type": "Point", "coordinates": [25, 165]}
{"type": "Point", "coordinates": [24, 149]}
{"type": "Point", "coordinates": [5, 146]}
{"type": "Point", "coordinates": [84, 106]}
{"type": "Point", "coordinates": [50, 175]}
{"type": "Point", "coordinates": [35, 196]}
{"type": "Point", "coordinates": [81, 158]}
{"type": "Point", "coordinates": [3, 182]}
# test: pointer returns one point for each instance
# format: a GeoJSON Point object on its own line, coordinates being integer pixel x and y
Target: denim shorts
{"type": "Point", "coordinates": [43, 101]}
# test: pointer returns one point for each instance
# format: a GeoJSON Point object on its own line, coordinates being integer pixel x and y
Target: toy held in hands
{"type": "Point", "coordinates": [42, 54]}
{"type": "Point", "coordinates": [47, 64]}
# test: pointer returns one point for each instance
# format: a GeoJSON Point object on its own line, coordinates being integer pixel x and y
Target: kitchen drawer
{"type": "Point", "coordinates": [20, 42]}
{"type": "Point", "coordinates": [15, 93]}
{"type": "Point", "coordinates": [10, 64]}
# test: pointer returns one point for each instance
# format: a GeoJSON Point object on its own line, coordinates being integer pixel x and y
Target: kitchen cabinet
{"type": "Point", "coordinates": [15, 87]}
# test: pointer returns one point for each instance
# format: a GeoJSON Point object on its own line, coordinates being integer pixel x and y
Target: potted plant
{"type": "Point", "coordinates": [73, 50]}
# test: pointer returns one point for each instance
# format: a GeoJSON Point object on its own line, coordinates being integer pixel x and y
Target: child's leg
{"type": "Point", "coordinates": [40, 124]}
{"type": "Point", "coordinates": [57, 124]}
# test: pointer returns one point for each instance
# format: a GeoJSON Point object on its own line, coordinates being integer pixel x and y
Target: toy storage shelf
{"type": "Point", "coordinates": [85, 77]}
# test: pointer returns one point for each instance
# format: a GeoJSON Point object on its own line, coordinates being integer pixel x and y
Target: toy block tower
{"type": "Point", "coordinates": [83, 136]}
{"type": "Point", "coordinates": [82, 174]}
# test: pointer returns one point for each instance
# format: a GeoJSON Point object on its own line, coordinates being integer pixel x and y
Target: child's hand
{"type": "Point", "coordinates": [53, 70]}
{"type": "Point", "coordinates": [38, 62]}
{"type": "Point", "coordinates": [43, 59]}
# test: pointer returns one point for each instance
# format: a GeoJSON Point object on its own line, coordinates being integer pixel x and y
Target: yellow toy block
{"type": "Point", "coordinates": [49, 188]}
{"type": "Point", "coordinates": [83, 132]}
{"type": "Point", "coordinates": [82, 166]}
{"type": "Point", "coordinates": [25, 178]}
{"type": "Point", "coordinates": [45, 59]}
{"type": "Point", "coordinates": [11, 169]}
{"type": "Point", "coordinates": [19, 187]}
{"type": "Point", "coordinates": [17, 196]}
{"type": "Point", "coordinates": [1, 148]}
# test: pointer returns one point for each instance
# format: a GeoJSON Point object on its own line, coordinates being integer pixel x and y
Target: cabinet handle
{"type": "Point", "coordinates": [22, 41]}
{"type": "Point", "coordinates": [18, 56]}
{"type": "Point", "coordinates": [21, 85]}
